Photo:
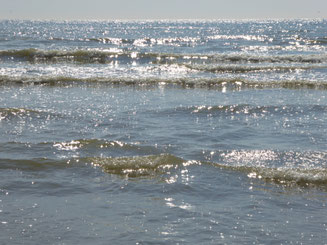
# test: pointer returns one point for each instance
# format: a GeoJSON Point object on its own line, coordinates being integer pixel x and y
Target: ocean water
{"type": "Point", "coordinates": [163, 132]}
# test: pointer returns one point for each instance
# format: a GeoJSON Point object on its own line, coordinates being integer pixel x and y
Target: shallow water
{"type": "Point", "coordinates": [163, 132]}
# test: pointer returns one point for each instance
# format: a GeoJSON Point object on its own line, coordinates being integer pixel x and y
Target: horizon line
{"type": "Point", "coordinates": [161, 19]}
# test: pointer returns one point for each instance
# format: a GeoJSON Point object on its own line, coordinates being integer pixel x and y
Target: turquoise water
{"type": "Point", "coordinates": [163, 132]}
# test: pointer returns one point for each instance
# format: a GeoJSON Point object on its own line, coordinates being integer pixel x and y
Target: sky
{"type": "Point", "coordinates": [161, 9]}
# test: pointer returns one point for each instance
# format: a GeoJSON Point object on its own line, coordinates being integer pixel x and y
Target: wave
{"type": "Point", "coordinates": [56, 56]}
{"type": "Point", "coordinates": [147, 41]}
{"type": "Point", "coordinates": [247, 58]}
{"type": "Point", "coordinates": [137, 166]}
{"type": "Point", "coordinates": [113, 55]}
{"type": "Point", "coordinates": [307, 170]}
{"type": "Point", "coordinates": [35, 164]}
{"type": "Point", "coordinates": [247, 109]}
{"type": "Point", "coordinates": [74, 144]}
{"type": "Point", "coordinates": [246, 68]}
{"type": "Point", "coordinates": [10, 113]}
{"type": "Point", "coordinates": [91, 56]}
{"type": "Point", "coordinates": [283, 175]}
{"type": "Point", "coordinates": [244, 110]}
{"type": "Point", "coordinates": [134, 166]}
{"type": "Point", "coordinates": [117, 146]}
{"type": "Point", "coordinates": [73, 148]}
{"type": "Point", "coordinates": [319, 40]}
{"type": "Point", "coordinates": [141, 42]}
{"type": "Point", "coordinates": [184, 82]}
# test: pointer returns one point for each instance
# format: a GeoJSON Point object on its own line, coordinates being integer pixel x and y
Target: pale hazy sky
{"type": "Point", "coordinates": [161, 9]}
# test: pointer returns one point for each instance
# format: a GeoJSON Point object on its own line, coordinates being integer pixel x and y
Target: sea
{"type": "Point", "coordinates": [163, 132]}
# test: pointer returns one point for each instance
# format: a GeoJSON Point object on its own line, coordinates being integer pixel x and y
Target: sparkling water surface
{"type": "Point", "coordinates": [163, 132]}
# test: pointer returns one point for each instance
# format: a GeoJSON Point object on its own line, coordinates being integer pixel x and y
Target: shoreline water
{"type": "Point", "coordinates": [163, 132]}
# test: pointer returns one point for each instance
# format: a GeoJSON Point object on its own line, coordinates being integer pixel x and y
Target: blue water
{"type": "Point", "coordinates": [163, 132]}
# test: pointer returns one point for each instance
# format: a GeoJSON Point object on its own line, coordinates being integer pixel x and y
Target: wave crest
{"type": "Point", "coordinates": [287, 176]}
{"type": "Point", "coordinates": [112, 55]}
{"type": "Point", "coordinates": [10, 113]}
{"type": "Point", "coordinates": [248, 68]}
{"type": "Point", "coordinates": [185, 82]}
{"type": "Point", "coordinates": [137, 166]}
{"type": "Point", "coordinates": [166, 164]}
